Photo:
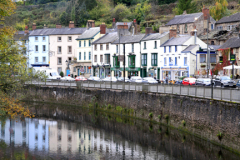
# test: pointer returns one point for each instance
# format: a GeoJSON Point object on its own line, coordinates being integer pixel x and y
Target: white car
{"type": "Point", "coordinates": [136, 79]}
{"type": "Point", "coordinates": [149, 80]}
{"type": "Point", "coordinates": [94, 78]}
{"type": "Point", "coordinates": [67, 78]}
{"type": "Point", "coordinates": [109, 79]}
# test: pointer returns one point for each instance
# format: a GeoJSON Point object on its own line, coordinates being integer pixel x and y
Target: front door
{"type": "Point", "coordinates": [68, 72]}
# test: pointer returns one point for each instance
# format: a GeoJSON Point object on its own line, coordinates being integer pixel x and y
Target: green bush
{"type": "Point", "coordinates": [61, 74]}
{"type": "Point", "coordinates": [150, 115]}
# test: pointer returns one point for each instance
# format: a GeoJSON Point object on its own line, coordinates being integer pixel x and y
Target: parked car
{"type": "Point", "coordinates": [136, 79]}
{"type": "Point", "coordinates": [189, 81]}
{"type": "Point", "coordinates": [121, 79]}
{"type": "Point", "coordinates": [149, 80]}
{"type": "Point", "coordinates": [238, 84]}
{"type": "Point", "coordinates": [203, 82]}
{"type": "Point", "coordinates": [94, 78]}
{"type": "Point", "coordinates": [224, 81]}
{"type": "Point", "coordinates": [80, 78]}
{"type": "Point", "coordinates": [67, 78]}
{"type": "Point", "coordinates": [109, 79]}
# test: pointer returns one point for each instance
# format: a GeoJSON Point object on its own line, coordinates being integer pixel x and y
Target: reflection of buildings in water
{"type": "Point", "coordinates": [63, 137]}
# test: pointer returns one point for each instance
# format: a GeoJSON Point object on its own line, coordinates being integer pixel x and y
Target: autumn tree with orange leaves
{"type": "Point", "coordinates": [219, 10]}
{"type": "Point", "coordinates": [13, 62]}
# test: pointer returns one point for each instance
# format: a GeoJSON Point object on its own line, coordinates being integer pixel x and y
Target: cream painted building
{"type": "Point", "coordinates": [63, 48]}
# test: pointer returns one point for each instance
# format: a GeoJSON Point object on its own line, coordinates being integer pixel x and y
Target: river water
{"type": "Point", "coordinates": [79, 133]}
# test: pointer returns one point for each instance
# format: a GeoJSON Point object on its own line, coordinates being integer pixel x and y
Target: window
{"type": "Point", "coordinates": [212, 58]}
{"type": "Point", "coordinates": [155, 44]}
{"type": "Point", "coordinates": [229, 27]}
{"type": "Point", "coordinates": [144, 59]}
{"type": "Point", "coordinates": [176, 61]}
{"type": "Point", "coordinates": [36, 38]}
{"type": "Point", "coordinates": [212, 42]}
{"type": "Point", "coordinates": [44, 48]}
{"type": "Point", "coordinates": [132, 47]}
{"type": "Point", "coordinates": [101, 47]}
{"type": "Point", "coordinates": [36, 48]}
{"type": "Point", "coordinates": [169, 49]}
{"type": "Point", "coordinates": [185, 28]}
{"type": "Point", "coordinates": [212, 26]}
{"type": "Point", "coordinates": [89, 43]}
{"type": "Point", "coordinates": [185, 61]}
{"type": "Point", "coordinates": [101, 58]}
{"type": "Point", "coordinates": [59, 49]}
{"type": "Point", "coordinates": [69, 39]}
{"type": "Point", "coordinates": [89, 56]}
{"type": "Point", "coordinates": [154, 59]}
{"type": "Point", "coordinates": [59, 69]}
{"type": "Point", "coordinates": [145, 46]}
{"type": "Point", "coordinates": [43, 38]}
{"type": "Point", "coordinates": [79, 56]}
{"type": "Point", "coordinates": [131, 61]}
{"type": "Point", "coordinates": [44, 59]}
{"type": "Point", "coordinates": [69, 49]}
{"type": "Point", "coordinates": [203, 58]}
{"type": "Point", "coordinates": [95, 58]}
{"type": "Point", "coordinates": [36, 59]}
{"type": "Point", "coordinates": [59, 39]}
{"type": "Point", "coordinates": [84, 55]}
{"type": "Point", "coordinates": [165, 61]}
{"type": "Point", "coordinates": [84, 43]}
{"type": "Point", "coordinates": [170, 61]}
{"type": "Point", "coordinates": [219, 27]}
{"type": "Point", "coordinates": [175, 48]}
{"type": "Point", "coordinates": [95, 47]}
{"type": "Point", "coordinates": [178, 30]}
{"type": "Point", "coordinates": [115, 61]}
{"type": "Point", "coordinates": [59, 62]}
{"type": "Point", "coordinates": [80, 43]}
{"type": "Point", "coordinates": [107, 46]}
{"type": "Point", "coordinates": [164, 49]}
{"type": "Point", "coordinates": [107, 59]}
{"type": "Point", "coordinates": [84, 69]}
{"type": "Point", "coordinates": [69, 59]}
{"type": "Point", "coordinates": [116, 48]}
{"type": "Point", "coordinates": [74, 69]}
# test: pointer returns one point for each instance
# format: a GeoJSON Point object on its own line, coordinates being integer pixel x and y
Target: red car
{"type": "Point", "coordinates": [80, 78]}
{"type": "Point", "coordinates": [189, 81]}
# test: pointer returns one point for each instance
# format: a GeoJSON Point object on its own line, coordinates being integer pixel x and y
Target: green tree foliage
{"type": "Point", "coordinates": [64, 19]}
{"type": "Point", "coordinates": [219, 10]}
{"type": "Point", "coordinates": [142, 10]}
{"type": "Point", "coordinates": [102, 11]}
{"type": "Point", "coordinates": [121, 12]}
{"type": "Point", "coordinates": [185, 5]}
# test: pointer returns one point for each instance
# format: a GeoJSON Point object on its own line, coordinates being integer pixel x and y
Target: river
{"type": "Point", "coordinates": [68, 132]}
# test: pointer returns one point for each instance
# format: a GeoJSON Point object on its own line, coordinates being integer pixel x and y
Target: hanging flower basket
{"type": "Point", "coordinates": [203, 65]}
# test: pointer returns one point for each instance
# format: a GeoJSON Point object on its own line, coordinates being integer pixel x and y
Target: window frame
{"type": "Point", "coordinates": [44, 48]}
{"type": "Point", "coordinates": [58, 60]}
{"type": "Point", "coordinates": [116, 63]}
{"type": "Point", "coordinates": [144, 45]}
{"type": "Point", "coordinates": [45, 59]}
{"type": "Point", "coordinates": [144, 59]}
{"type": "Point", "coordinates": [69, 48]}
{"type": "Point", "coordinates": [95, 58]}
{"type": "Point", "coordinates": [107, 46]}
{"type": "Point", "coordinates": [58, 49]}
{"type": "Point", "coordinates": [79, 56]}
{"type": "Point", "coordinates": [36, 48]}
{"type": "Point", "coordinates": [89, 55]}
{"type": "Point", "coordinates": [131, 61]}
{"type": "Point", "coordinates": [60, 39]}
{"type": "Point", "coordinates": [155, 44]}
{"type": "Point", "coordinates": [36, 60]}
{"type": "Point", "coordinates": [202, 58]}
{"type": "Point", "coordinates": [80, 44]}
{"type": "Point", "coordinates": [69, 40]}
{"type": "Point", "coordinates": [154, 59]}
{"type": "Point", "coordinates": [84, 56]}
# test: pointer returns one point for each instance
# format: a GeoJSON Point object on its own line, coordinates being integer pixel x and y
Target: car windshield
{"type": "Point", "coordinates": [55, 74]}
{"type": "Point", "coordinates": [226, 78]}
{"type": "Point", "coordinates": [207, 80]}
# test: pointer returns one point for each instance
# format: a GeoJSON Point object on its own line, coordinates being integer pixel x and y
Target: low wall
{"type": "Point", "coordinates": [204, 118]}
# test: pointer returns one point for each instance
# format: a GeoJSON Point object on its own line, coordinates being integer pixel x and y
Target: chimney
{"type": "Point", "coordinates": [122, 29]}
{"type": "Point", "coordinates": [194, 33]}
{"type": "Point", "coordinates": [148, 30]}
{"type": "Point", "coordinates": [103, 28]}
{"type": "Point", "coordinates": [71, 24]}
{"type": "Point", "coordinates": [172, 32]}
{"type": "Point", "coordinates": [58, 26]}
{"type": "Point", "coordinates": [113, 23]}
{"type": "Point", "coordinates": [26, 31]}
{"type": "Point", "coordinates": [44, 26]}
{"type": "Point", "coordinates": [205, 12]}
{"type": "Point", "coordinates": [34, 26]}
{"type": "Point", "coordinates": [184, 12]}
{"type": "Point", "coordinates": [90, 24]}
{"type": "Point", "coordinates": [135, 25]}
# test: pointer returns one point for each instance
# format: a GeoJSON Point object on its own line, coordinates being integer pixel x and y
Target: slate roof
{"type": "Point", "coordinates": [186, 18]}
{"type": "Point", "coordinates": [214, 34]}
{"type": "Point", "coordinates": [107, 38]}
{"type": "Point", "coordinates": [89, 33]}
{"type": "Point", "coordinates": [231, 43]}
{"type": "Point", "coordinates": [181, 19]}
{"type": "Point", "coordinates": [189, 48]}
{"type": "Point", "coordinates": [122, 23]}
{"type": "Point", "coordinates": [57, 31]}
{"type": "Point", "coordinates": [20, 35]}
{"type": "Point", "coordinates": [154, 36]}
{"type": "Point", "coordinates": [213, 47]}
{"type": "Point", "coordinates": [130, 39]}
{"type": "Point", "coordinates": [176, 41]}
{"type": "Point", "coordinates": [228, 19]}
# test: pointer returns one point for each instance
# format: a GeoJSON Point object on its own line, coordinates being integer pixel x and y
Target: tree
{"type": "Point", "coordinates": [185, 5]}
{"type": "Point", "coordinates": [142, 10]}
{"type": "Point", "coordinates": [121, 12]}
{"type": "Point", "coordinates": [219, 10]}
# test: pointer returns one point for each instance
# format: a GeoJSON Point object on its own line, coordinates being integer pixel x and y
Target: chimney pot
{"type": "Point", "coordinates": [103, 28]}
{"type": "Point", "coordinates": [113, 19]}
{"type": "Point", "coordinates": [26, 31]}
{"type": "Point", "coordinates": [71, 24]}
{"type": "Point", "coordinates": [172, 32]}
{"type": "Point", "coordinates": [205, 12]}
{"type": "Point", "coordinates": [148, 30]}
{"type": "Point", "coordinates": [90, 24]}
{"type": "Point", "coordinates": [113, 23]}
{"type": "Point", "coordinates": [58, 26]}
{"type": "Point", "coordinates": [34, 26]}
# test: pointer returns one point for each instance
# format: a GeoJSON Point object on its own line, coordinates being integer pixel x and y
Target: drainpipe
{"type": "Point", "coordinates": [140, 58]}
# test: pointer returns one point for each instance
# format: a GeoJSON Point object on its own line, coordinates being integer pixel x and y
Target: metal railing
{"type": "Point", "coordinates": [227, 94]}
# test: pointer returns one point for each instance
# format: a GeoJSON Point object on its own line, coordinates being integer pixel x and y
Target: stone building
{"type": "Point", "coordinates": [228, 22]}
{"type": "Point", "coordinates": [185, 23]}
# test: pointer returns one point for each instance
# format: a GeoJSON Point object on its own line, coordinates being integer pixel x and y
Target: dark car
{"type": "Point", "coordinates": [203, 82]}
{"type": "Point", "coordinates": [224, 81]}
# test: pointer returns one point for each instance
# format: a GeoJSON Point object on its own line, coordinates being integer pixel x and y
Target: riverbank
{"type": "Point", "coordinates": [215, 121]}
